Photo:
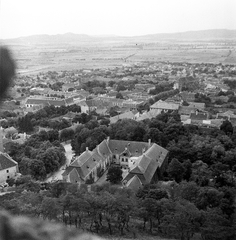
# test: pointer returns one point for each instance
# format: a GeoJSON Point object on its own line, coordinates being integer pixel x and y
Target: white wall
{"type": "Point", "coordinates": [7, 173]}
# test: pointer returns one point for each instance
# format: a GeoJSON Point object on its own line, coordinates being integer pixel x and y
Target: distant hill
{"type": "Point", "coordinates": [49, 39]}
{"type": "Point", "coordinates": [198, 35]}
{"type": "Point", "coordinates": [77, 38]}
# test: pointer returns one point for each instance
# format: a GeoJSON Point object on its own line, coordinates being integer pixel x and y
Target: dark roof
{"type": "Point", "coordinates": [6, 161]}
{"type": "Point", "coordinates": [135, 148]}
{"type": "Point", "coordinates": [74, 176]}
{"type": "Point", "coordinates": [103, 149]}
{"type": "Point", "coordinates": [86, 162]}
{"type": "Point", "coordinates": [148, 163]}
{"type": "Point", "coordinates": [186, 110]}
{"type": "Point", "coordinates": [134, 183]}
{"type": "Point", "coordinates": [199, 116]}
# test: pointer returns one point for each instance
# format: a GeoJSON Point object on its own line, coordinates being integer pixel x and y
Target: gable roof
{"type": "Point", "coordinates": [165, 105]}
{"type": "Point", "coordinates": [103, 149]}
{"type": "Point", "coordinates": [48, 102]}
{"type": "Point", "coordinates": [157, 152]}
{"type": "Point", "coordinates": [148, 163]}
{"type": "Point", "coordinates": [74, 176]}
{"type": "Point", "coordinates": [199, 116]}
{"type": "Point", "coordinates": [197, 105]}
{"type": "Point", "coordinates": [134, 183]}
{"type": "Point", "coordinates": [86, 162]}
{"type": "Point", "coordinates": [186, 110]}
{"type": "Point", "coordinates": [148, 115]}
{"type": "Point", "coordinates": [126, 115]}
{"type": "Point", "coordinates": [6, 161]}
{"type": "Point", "coordinates": [135, 148]}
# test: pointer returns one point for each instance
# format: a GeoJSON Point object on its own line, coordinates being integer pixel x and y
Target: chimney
{"type": "Point", "coordinates": [108, 140]}
{"type": "Point", "coordinates": [86, 149]}
{"type": "Point", "coordinates": [149, 143]}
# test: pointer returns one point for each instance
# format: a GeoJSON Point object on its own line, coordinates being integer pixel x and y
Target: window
{"type": "Point", "coordinates": [8, 177]}
{"type": "Point", "coordinates": [7, 171]}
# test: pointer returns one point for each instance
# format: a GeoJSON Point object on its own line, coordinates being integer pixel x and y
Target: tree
{"type": "Point", "coordinates": [216, 226]}
{"type": "Point", "coordinates": [37, 169]}
{"type": "Point", "coordinates": [183, 221]}
{"type": "Point", "coordinates": [227, 127]}
{"type": "Point", "coordinates": [119, 95]}
{"type": "Point", "coordinates": [25, 124]}
{"type": "Point", "coordinates": [114, 174]}
{"type": "Point", "coordinates": [175, 170]}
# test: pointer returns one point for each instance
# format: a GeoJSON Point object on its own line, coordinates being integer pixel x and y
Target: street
{"type": "Point", "coordinates": [58, 175]}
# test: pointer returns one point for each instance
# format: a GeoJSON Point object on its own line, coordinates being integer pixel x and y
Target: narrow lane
{"type": "Point", "coordinates": [58, 175]}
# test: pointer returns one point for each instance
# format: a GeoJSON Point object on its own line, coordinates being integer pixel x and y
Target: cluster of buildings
{"type": "Point", "coordinates": [141, 162]}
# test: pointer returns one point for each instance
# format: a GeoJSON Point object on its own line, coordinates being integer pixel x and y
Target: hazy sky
{"type": "Point", "coordinates": [119, 17]}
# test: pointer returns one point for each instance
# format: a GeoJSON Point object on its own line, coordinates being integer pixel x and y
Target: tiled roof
{"type": "Point", "coordinates": [157, 153]}
{"type": "Point", "coordinates": [128, 115]}
{"type": "Point", "coordinates": [134, 183]}
{"type": "Point", "coordinates": [48, 102]}
{"type": "Point", "coordinates": [148, 115]}
{"type": "Point", "coordinates": [165, 105]}
{"type": "Point", "coordinates": [74, 176]}
{"type": "Point", "coordinates": [81, 159]}
{"type": "Point", "coordinates": [135, 148]}
{"type": "Point", "coordinates": [199, 116]}
{"type": "Point", "coordinates": [103, 149]}
{"type": "Point", "coordinates": [148, 163]}
{"type": "Point", "coordinates": [86, 162]}
{"type": "Point", "coordinates": [6, 161]}
{"type": "Point", "coordinates": [186, 110]}
{"type": "Point", "coordinates": [197, 105]}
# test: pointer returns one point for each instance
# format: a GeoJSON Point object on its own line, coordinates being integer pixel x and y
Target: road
{"type": "Point", "coordinates": [58, 175]}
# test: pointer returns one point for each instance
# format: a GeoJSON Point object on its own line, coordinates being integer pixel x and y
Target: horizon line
{"type": "Point", "coordinates": [115, 35]}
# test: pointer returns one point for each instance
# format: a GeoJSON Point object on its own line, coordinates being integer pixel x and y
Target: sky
{"type": "Point", "coordinates": [113, 17]}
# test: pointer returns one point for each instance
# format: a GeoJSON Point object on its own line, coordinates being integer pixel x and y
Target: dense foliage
{"type": "Point", "coordinates": [200, 197]}
{"type": "Point", "coordinates": [40, 155]}
{"type": "Point", "coordinates": [170, 210]}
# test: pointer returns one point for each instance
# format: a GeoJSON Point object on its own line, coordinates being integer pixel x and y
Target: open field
{"type": "Point", "coordinates": [33, 57]}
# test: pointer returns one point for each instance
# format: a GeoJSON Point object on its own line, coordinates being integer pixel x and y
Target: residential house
{"type": "Point", "coordinates": [199, 106]}
{"type": "Point", "coordinates": [198, 118]}
{"type": "Point", "coordinates": [165, 106]}
{"type": "Point", "coordinates": [84, 106]}
{"type": "Point", "coordinates": [226, 115]}
{"type": "Point", "coordinates": [45, 101]}
{"type": "Point", "coordinates": [125, 115]}
{"type": "Point", "coordinates": [186, 110]}
{"type": "Point", "coordinates": [148, 114]}
{"type": "Point", "coordinates": [8, 167]}
{"type": "Point", "coordinates": [187, 96]}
